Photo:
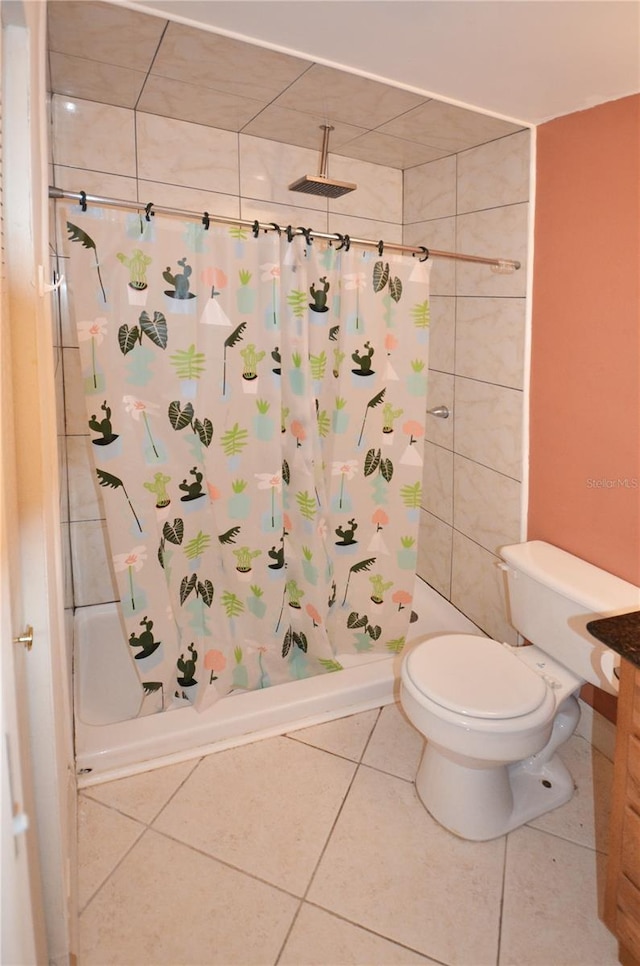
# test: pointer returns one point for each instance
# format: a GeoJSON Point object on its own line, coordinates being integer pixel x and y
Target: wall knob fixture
{"type": "Point", "coordinates": [26, 639]}
{"type": "Point", "coordinates": [441, 411]}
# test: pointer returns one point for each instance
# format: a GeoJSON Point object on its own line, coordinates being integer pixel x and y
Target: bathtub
{"type": "Point", "coordinates": [111, 744]}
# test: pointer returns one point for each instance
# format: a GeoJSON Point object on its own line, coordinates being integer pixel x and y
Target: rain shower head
{"type": "Point", "coordinates": [316, 184]}
{"type": "Point", "coordinates": [320, 184]}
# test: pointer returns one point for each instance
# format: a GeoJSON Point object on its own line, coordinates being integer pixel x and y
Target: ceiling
{"type": "Point", "coordinates": [527, 60]}
{"type": "Point", "coordinates": [402, 82]}
{"type": "Point", "coordinates": [110, 53]}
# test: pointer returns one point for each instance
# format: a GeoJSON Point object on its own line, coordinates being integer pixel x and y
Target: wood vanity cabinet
{"type": "Point", "coordinates": [622, 897]}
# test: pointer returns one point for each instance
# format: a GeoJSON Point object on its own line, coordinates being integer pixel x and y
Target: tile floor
{"type": "Point", "coordinates": [312, 849]}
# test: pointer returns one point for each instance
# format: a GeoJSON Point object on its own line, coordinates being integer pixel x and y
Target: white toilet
{"type": "Point", "coordinates": [494, 715]}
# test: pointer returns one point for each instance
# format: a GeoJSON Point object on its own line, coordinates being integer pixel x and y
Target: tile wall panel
{"type": "Point", "coordinates": [178, 152]}
{"type": "Point", "coordinates": [494, 174]}
{"type": "Point", "coordinates": [93, 581]}
{"type": "Point", "coordinates": [430, 191]}
{"type": "Point", "coordinates": [478, 588]}
{"type": "Point", "coordinates": [191, 199]}
{"type": "Point", "coordinates": [85, 501]}
{"type": "Point", "coordinates": [490, 340]}
{"type": "Point", "coordinates": [500, 233]}
{"type": "Point", "coordinates": [477, 203]}
{"type": "Point", "coordinates": [440, 392]}
{"type": "Point", "coordinates": [365, 227]}
{"type": "Point", "coordinates": [269, 211]}
{"type": "Point", "coordinates": [435, 545]}
{"type": "Point", "coordinates": [487, 504]}
{"type": "Point", "coordinates": [267, 168]}
{"type": "Point", "coordinates": [191, 55]}
{"type": "Point", "coordinates": [105, 83]}
{"type": "Point", "coordinates": [190, 102]}
{"type": "Point", "coordinates": [488, 420]}
{"type": "Point", "coordinates": [441, 234]}
{"type": "Point", "coordinates": [94, 136]}
{"type": "Point", "coordinates": [379, 191]}
{"type": "Point", "coordinates": [442, 333]}
{"type": "Point", "coordinates": [95, 182]}
{"type": "Point", "coordinates": [437, 480]}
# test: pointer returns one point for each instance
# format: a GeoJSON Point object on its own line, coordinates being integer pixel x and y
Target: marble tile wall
{"type": "Point", "coordinates": [122, 153]}
{"type": "Point", "coordinates": [474, 202]}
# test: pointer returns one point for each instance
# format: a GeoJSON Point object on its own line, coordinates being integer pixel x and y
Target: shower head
{"type": "Point", "coordinates": [315, 184]}
{"type": "Point", "coordinates": [321, 184]}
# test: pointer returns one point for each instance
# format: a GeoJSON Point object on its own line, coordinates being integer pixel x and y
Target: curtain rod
{"type": "Point", "coordinates": [501, 265]}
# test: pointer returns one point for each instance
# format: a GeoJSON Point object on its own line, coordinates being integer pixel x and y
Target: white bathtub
{"type": "Point", "coordinates": [110, 744]}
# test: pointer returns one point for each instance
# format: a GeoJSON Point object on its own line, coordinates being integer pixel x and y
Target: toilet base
{"type": "Point", "coordinates": [481, 803]}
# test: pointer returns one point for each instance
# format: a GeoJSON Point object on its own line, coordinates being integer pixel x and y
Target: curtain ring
{"type": "Point", "coordinates": [83, 200]}
{"type": "Point", "coordinates": [345, 242]}
{"type": "Point", "coordinates": [381, 247]}
{"type": "Point", "coordinates": [290, 233]}
{"type": "Point", "coordinates": [307, 234]}
{"type": "Point", "coordinates": [276, 227]}
{"type": "Point", "coordinates": [425, 253]}
{"type": "Point", "coordinates": [206, 220]}
{"type": "Point", "coordinates": [255, 228]}
{"type": "Point", "coordinates": [148, 212]}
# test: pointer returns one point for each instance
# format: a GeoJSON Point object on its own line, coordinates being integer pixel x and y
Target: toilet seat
{"type": "Point", "coordinates": [474, 676]}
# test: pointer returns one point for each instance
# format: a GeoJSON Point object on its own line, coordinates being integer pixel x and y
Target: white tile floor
{"type": "Point", "coordinates": [314, 850]}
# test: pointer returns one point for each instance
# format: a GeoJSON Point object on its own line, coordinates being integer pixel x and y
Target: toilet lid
{"type": "Point", "coordinates": [475, 676]}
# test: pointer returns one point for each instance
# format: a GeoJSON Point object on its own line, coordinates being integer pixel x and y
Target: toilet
{"type": "Point", "coordinates": [493, 714]}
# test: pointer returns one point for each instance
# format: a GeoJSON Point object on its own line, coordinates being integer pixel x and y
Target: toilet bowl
{"type": "Point", "coordinates": [493, 716]}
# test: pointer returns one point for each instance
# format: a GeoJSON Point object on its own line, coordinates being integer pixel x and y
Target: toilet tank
{"type": "Point", "coordinates": [553, 595]}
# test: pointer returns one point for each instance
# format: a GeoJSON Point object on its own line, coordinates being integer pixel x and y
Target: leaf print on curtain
{"type": "Point", "coordinates": [256, 410]}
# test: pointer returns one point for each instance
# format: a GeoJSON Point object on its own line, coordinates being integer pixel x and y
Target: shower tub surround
{"type": "Point", "coordinates": [112, 742]}
{"type": "Point", "coordinates": [475, 200]}
{"type": "Point", "coordinates": [471, 488]}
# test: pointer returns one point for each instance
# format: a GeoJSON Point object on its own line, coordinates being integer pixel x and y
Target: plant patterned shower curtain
{"type": "Point", "coordinates": [256, 415]}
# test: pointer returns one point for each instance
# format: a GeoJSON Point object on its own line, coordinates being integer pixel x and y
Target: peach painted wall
{"type": "Point", "coordinates": [585, 369]}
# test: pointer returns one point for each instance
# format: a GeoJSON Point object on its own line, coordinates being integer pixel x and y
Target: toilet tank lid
{"type": "Point", "coordinates": [594, 589]}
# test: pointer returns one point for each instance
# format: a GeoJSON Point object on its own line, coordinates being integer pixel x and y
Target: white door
{"type": "Point", "coordinates": [23, 940]}
{"type": "Point", "coordinates": [38, 862]}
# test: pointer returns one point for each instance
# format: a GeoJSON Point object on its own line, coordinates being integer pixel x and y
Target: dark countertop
{"type": "Point", "coordinates": [621, 634]}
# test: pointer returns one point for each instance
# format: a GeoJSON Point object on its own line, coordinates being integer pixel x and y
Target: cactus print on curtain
{"type": "Point", "coordinates": [256, 416]}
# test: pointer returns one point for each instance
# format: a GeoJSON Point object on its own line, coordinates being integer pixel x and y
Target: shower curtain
{"type": "Point", "coordinates": [255, 402]}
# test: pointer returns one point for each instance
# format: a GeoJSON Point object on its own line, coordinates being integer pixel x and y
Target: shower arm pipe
{"type": "Point", "coordinates": [324, 151]}
{"type": "Point", "coordinates": [505, 265]}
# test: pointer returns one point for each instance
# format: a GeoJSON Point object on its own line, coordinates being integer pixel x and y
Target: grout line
{"type": "Point", "coordinates": [288, 932]}
{"type": "Point", "coordinates": [99, 889]}
{"type": "Point", "coordinates": [390, 774]}
{"type": "Point", "coordinates": [68, 568]}
{"type": "Point", "coordinates": [192, 770]}
{"type": "Point", "coordinates": [561, 838]}
{"type": "Point", "coordinates": [148, 73]}
{"type": "Point", "coordinates": [225, 863]}
{"type": "Point", "coordinates": [379, 935]}
{"type": "Point", "coordinates": [358, 764]}
{"type": "Point", "coordinates": [86, 792]}
{"type": "Point", "coordinates": [484, 382]}
{"type": "Point", "coordinates": [502, 892]}
{"type": "Point", "coordinates": [303, 899]}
